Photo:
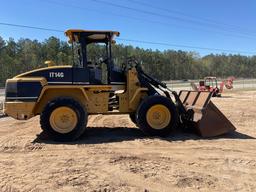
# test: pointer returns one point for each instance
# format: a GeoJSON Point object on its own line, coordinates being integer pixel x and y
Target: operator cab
{"type": "Point", "coordinates": [211, 82]}
{"type": "Point", "coordinates": [92, 57]}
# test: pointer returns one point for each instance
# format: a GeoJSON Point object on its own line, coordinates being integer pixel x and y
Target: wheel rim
{"type": "Point", "coordinates": [63, 120]}
{"type": "Point", "coordinates": [158, 116]}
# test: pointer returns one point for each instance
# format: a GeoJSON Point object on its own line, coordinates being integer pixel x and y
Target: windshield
{"type": "Point", "coordinates": [77, 55]}
{"type": "Point", "coordinates": [97, 57]}
{"type": "Point", "coordinates": [97, 53]}
{"type": "Point", "coordinates": [210, 82]}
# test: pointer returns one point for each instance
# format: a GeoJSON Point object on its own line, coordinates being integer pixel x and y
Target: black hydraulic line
{"type": "Point", "coordinates": [163, 87]}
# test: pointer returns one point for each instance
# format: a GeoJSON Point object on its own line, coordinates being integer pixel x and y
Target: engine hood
{"type": "Point", "coordinates": [54, 74]}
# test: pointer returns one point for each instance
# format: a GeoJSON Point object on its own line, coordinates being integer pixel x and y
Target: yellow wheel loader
{"type": "Point", "coordinates": [64, 96]}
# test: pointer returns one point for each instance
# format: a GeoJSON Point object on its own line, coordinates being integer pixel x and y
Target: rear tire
{"type": "Point", "coordinates": [133, 118]}
{"type": "Point", "coordinates": [157, 116]}
{"type": "Point", "coordinates": [64, 119]}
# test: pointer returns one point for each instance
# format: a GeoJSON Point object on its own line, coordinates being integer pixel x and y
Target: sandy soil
{"type": "Point", "coordinates": [114, 155]}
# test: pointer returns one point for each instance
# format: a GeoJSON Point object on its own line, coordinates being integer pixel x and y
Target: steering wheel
{"type": "Point", "coordinates": [132, 62]}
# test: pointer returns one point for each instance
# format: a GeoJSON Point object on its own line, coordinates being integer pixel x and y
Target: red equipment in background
{"type": "Point", "coordinates": [211, 84]}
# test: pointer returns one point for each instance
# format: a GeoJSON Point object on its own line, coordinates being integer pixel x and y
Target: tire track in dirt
{"type": "Point", "coordinates": [155, 166]}
{"type": "Point", "coordinates": [152, 171]}
{"type": "Point", "coordinates": [21, 139]}
{"type": "Point", "coordinates": [122, 159]}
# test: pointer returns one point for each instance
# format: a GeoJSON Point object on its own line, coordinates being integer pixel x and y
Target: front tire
{"type": "Point", "coordinates": [157, 116]}
{"type": "Point", "coordinates": [64, 119]}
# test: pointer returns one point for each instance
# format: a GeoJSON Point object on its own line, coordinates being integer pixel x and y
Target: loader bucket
{"type": "Point", "coordinates": [203, 115]}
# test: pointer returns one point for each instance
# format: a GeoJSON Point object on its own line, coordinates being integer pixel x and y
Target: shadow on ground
{"type": "Point", "coordinates": [100, 135]}
{"type": "Point", "coordinates": [225, 96]}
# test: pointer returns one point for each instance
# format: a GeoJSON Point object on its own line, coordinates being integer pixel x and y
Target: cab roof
{"type": "Point", "coordinates": [91, 36]}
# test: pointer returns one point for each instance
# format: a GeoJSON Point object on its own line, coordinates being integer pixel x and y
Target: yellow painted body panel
{"type": "Point", "coordinates": [95, 98]}
{"type": "Point", "coordinates": [130, 99]}
{"type": "Point", "coordinates": [42, 80]}
{"type": "Point", "coordinates": [19, 110]}
{"type": "Point", "coordinates": [96, 34]}
{"type": "Point", "coordinates": [95, 102]}
{"type": "Point", "coordinates": [41, 69]}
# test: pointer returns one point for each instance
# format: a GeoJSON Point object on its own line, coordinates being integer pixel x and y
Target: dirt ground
{"type": "Point", "coordinates": [114, 155]}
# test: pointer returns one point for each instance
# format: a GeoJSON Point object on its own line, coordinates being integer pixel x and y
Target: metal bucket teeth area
{"type": "Point", "coordinates": [206, 117]}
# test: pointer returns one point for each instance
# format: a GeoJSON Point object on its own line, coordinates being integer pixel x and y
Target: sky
{"type": "Point", "coordinates": [203, 26]}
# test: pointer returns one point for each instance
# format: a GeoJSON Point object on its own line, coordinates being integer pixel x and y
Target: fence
{"type": "Point", "coordinates": [239, 84]}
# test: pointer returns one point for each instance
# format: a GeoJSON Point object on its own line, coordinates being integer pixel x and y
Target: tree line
{"type": "Point", "coordinates": [25, 54]}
